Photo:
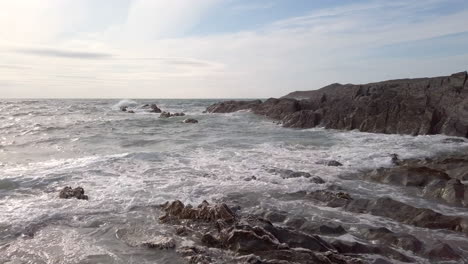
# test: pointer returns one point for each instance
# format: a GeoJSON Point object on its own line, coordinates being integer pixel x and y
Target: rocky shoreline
{"type": "Point", "coordinates": [223, 232]}
{"type": "Point", "coordinates": [423, 106]}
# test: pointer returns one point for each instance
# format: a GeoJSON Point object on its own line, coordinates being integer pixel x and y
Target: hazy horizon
{"type": "Point", "coordinates": [213, 49]}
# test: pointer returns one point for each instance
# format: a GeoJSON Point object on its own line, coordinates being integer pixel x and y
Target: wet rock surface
{"type": "Point", "coordinates": [190, 121]}
{"type": "Point", "coordinates": [69, 192]}
{"type": "Point", "coordinates": [252, 239]}
{"type": "Point", "coordinates": [409, 106]}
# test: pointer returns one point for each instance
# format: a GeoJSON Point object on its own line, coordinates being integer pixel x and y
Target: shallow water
{"type": "Point", "coordinates": [129, 163]}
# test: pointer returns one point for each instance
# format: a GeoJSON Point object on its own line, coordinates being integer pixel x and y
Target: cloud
{"type": "Point", "coordinates": [146, 53]}
{"type": "Point", "coordinates": [64, 53]}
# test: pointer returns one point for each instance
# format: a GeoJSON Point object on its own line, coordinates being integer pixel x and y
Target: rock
{"type": "Point", "coordinates": [395, 159]}
{"type": "Point", "coordinates": [348, 247]}
{"type": "Point", "coordinates": [421, 106]}
{"type": "Point", "coordinates": [232, 106]}
{"type": "Point", "coordinates": [165, 115]}
{"type": "Point", "coordinates": [251, 178]}
{"type": "Point", "coordinates": [254, 239]}
{"type": "Point", "coordinates": [331, 163]}
{"type": "Point", "coordinates": [179, 114]}
{"type": "Point", "coordinates": [287, 174]}
{"type": "Point", "coordinates": [159, 242]}
{"type": "Point", "coordinates": [123, 108]}
{"type": "Point", "coordinates": [323, 229]}
{"type": "Point", "coordinates": [334, 163]}
{"type": "Point", "coordinates": [190, 121]}
{"type": "Point", "coordinates": [69, 192]}
{"type": "Point", "coordinates": [387, 237]}
{"type": "Point", "coordinates": [155, 109]}
{"type": "Point", "coordinates": [302, 119]}
{"type": "Point", "coordinates": [407, 176]}
{"type": "Point", "coordinates": [442, 251]}
{"type": "Point", "coordinates": [453, 140]}
{"type": "Point", "coordinates": [131, 112]}
{"type": "Point", "coordinates": [205, 211]}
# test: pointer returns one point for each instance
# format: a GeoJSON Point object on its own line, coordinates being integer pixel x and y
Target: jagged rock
{"type": "Point", "coordinates": [165, 115]}
{"type": "Point", "coordinates": [205, 211]}
{"type": "Point", "coordinates": [410, 106]}
{"type": "Point", "coordinates": [302, 119]}
{"type": "Point", "coordinates": [407, 176]}
{"type": "Point", "coordinates": [331, 163]}
{"type": "Point", "coordinates": [69, 192]}
{"type": "Point", "coordinates": [442, 251]}
{"type": "Point", "coordinates": [190, 121]}
{"type": "Point", "coordinates": [323, 229]}
{"type": "Point", "coordinates": [154, 109]}
{"type": "Point", "coordinates": [359, 248]}
{"type": "Point", "coordinates": [255, 238]}
{"type": "Point", "coordinates": [232, 106]}
{"type": "Point", "coordinates": [159, 242]}
{"type": "Point", "coordinates": [387, 237]}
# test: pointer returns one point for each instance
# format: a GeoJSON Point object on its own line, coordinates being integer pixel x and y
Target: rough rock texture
{"type": "Point", "coordinates": [69, 192]}
{"type": "Point", "coordinates": [190, 121]}
{"type": "Point", "coordinates": [438, 178]}
{"type": "Point", "coordinates": [422, 106]}
{"type": "Point", "coordinates": [387, 207]}
{"type": "Point", "coordinates": [154, 109]}
{"type": "Point", "coordinates": [253, 239]}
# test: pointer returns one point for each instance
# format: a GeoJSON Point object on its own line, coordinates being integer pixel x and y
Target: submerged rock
{"type": "Point", "coordinates": [190, 121]}
{"type": "Point", "coordinates": [69, 192]}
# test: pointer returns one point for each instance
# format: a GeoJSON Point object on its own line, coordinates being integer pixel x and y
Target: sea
{"type": "Point", "coordinates": [129, 164]}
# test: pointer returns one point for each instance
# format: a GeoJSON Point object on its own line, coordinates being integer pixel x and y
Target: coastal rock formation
{"type": "Point", "coordinates": [190, 121]}
{"type": "Point", "coordinates": [253, 238]}
{"type": "Point", "coordinates": [422, 106]}
{"type": "Point", "coordinates": [169, 114]}
{"type": "Point", "coordinates": [69, 192]}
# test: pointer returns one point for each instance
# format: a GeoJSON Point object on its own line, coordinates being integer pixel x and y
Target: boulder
{"type": "Point", "coordinates": [190, 121]}
{"type": "Point", "coordinates": [69, 192]}
{"type": "Point", "coordinates": [154, 109]}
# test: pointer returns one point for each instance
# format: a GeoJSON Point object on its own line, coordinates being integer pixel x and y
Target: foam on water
{"type": "Point", "coordinates": [138, 161]}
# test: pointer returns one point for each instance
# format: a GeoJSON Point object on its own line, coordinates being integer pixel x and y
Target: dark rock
{"type": "Point", "coordinates": [409, 106]}
{"type": "Point", "coordinates": [123, 108]}
{"type": "Point", "coordinates": [407, 176]}
{"type": "Point", "coordinates": [347, 247]}
{"type": "Point", "coordinates": [287, 174]}
{"type": "Point", "coordinates": [179, 114]}
{"type": "Point", "coordinates": [331, 163]}
{"type": "Point", "coordinates": [442, 251]}
{"type": "Point", "coordinates": [302, 119]}
{"type": "Point", "coordinates": [395, 159]}
{"type": "Point", "coordinates": [155, 109]}
{"type": "Point", "coordinates": [323, 229]}
{"type": "Point", "coordinates": [387, 237]}
{"type": "Point", "coordinates": [232, 106]}
{"type": "Point", "coordinates": [69, 192]}
{"type": "Point", "coordinates": [131, 112]}
{"type": "Point", "coordinates": [165, 115]}
{"type": "Point", "coordinates": [453, 140]}
{"type": "Point", "coordinates": [256, 240]}
{"type": "Point", "coordinates": [190, 121]}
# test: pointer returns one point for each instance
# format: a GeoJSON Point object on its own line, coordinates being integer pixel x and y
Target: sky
{"type": "Point", "coordinates": [222, 48]}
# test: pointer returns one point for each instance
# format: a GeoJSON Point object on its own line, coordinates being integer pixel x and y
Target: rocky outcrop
{"type": "Point", "coordinates": [251, 238]}
{"type": "Point", "coordinates": [438, 178]}
{"type": "Point", "coordinates": [169, 114]}
{"type": "Point", "coordinates": [409, 106]}
{"type": "Point", "coordinates": [68, 192]}
{"type": "Point", "coordinates": [190, 121]}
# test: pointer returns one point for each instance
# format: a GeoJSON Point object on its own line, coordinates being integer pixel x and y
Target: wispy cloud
{"type": "Point", "coordinates": [65, 53]}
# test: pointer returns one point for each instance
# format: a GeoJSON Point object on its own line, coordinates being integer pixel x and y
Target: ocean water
{"type": "Point", "coordinates": [130, 163]}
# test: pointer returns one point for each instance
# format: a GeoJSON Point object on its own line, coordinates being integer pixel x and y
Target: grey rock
{"type": "Point", "coordinates": [69, 192]}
